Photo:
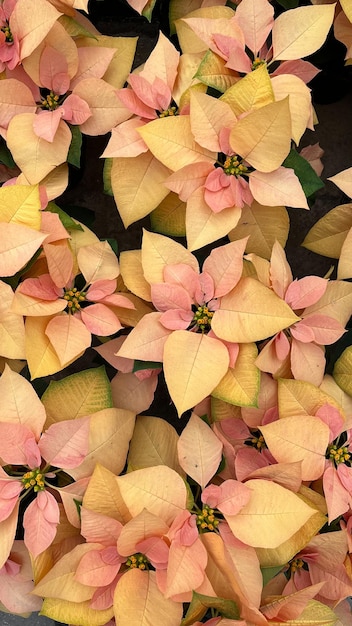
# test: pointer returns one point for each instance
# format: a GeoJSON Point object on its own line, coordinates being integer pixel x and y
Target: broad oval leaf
{"type": "Point", "coordinates": [171, 141]}
{"type": "Point", "coordinates": [263, 137]}
{"type": "Point", "coordinates": [77, 395]}
{"type": "Point", "coordinates": [159, 251]}
{"type": "Point", "coordinates": [300, 438]}
{"type": "Point", "coordinates": [327, 235]}
{"type": "Point", "coordinates": [138, 601]}
{"type": "Point", "coordinates": [36, 157]}
{"type": "Point", "coordinates": [199, 450]}
{"type": "Point", "coordinates": [265, 225]}
{"type": "Point", "coordinates": [159, 489]}
{"type": "Point", "coordinates": [272, 515]}
{"type": "Point", "coordinates": [18, 244]}
{"type": "Point", "coordinates": [154, 442]}
{"type": "Point", "coordinates": [302, 31]}
{"type": "Point", "coordinates": [251, 312]}
{"type": "Point", "coordinates": [253, 91]}
{"type": "Point", "coordinates": [186, 354]}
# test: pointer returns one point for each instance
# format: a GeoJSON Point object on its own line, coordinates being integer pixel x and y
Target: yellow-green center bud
{"type": "Point", "coordinates": [34, 479]}
{"type": "Point", "coordinates": [257, 63]}
{"type": "Point", "coordinates": [202, 318]}
{"type": "Point", "coordinates": [74, 299]}
{"type": "Point", "coordinates": [7, 32]}
{"type": "Point", "coordinates": [51, 102]}
{"type": "Point", "coordinates": [138, 561]}
{"type": "Point", "coordinates": [295, 565]}
{"type": "Point", "coordinates": [233, 166]}
{"type": "Point", "coordinates": [338, 454]}
{"type": "Point", "coordinates": [206, 520]}
{"type": "Point", "coordinates": [170, 112]}
{"type": "Point", "coordinates": [256, 441]}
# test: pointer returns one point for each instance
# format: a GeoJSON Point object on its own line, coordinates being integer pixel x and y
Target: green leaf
{"type": "Point", "coordinates": [74, 153]}
{"type": "Point", "coordinates": [73, 28]}
{"type": "Point", "coordinates": [148, 10]}
{"type": "Point", "coordinates": [270, 572]}
{"type": "Point", "coordinates": [5, 155]}
{"type": "Point", "coordinates": [81, 213]}
{"type": "Point", "coordinates": [309, 180]}
{"type": "Point", "coordinates": [66, 220]}
{"type": "Point", "coordinates": [77, 395]}
{"type": "Point", "coordinates": [146, 365]}
{"type": "Point", "coordinates": [200, 604]}
{"type": "Point", "coordinates": [107, 177]}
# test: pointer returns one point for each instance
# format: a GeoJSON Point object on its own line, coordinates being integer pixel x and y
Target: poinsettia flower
{"type": "Point", "coordinates": [186, 301]}
{"type": "Point", "coordinates": [244, 44]}
{"type": "Point", "coordinates": [78, 312]}
{"type": "Point", "coordinates": [22, 30]}
{"type": "Point", "coordinates": [147, 97]}
{"type": "Point", "coordinates": [290, 349]}
{"type": "Point", "coordinates": [322, 561]}
{"type": "Point", "coordinates": [29, 457]}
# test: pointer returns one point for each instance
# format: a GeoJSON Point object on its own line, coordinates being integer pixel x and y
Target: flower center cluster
{"type": "Point", "coordinates": [233, 166]}
{"type": "Point", "coordinates": [137, 561]}
{"type": "Point", "coordinates": [74, 299]}
{"type": "Point", "coordinates": [338, 454]}
{"type": "Point", "coordinates": [50, 102]}
{"type": "Point", "coordinates": [257, 63]}
{"type": "Point", "coordinates": [34, 479]}
{"type": "Point", "coordinates": [295, 564]}
{"type": "Point", "coordinates": [8, 35]}
{"type": "Point", "coordinates": [202, 318]}
{"type": "Point", "coordinates": [206, 519]}
{"type": "Point", "coordinates": [256, 441]}
{"type": "Point", "coordinates": [169, 112]}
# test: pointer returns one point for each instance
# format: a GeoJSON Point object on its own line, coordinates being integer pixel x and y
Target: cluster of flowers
{"type": "Point", "coordinates": [245, 518]}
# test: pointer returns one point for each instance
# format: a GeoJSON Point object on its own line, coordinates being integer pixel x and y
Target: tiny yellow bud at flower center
{"type": "Point", "coordinates": [7, 32]}
{"type": "Point", "coordinates": [338, 454]}
{"type": "Point", "coordinates": [74, 299]}
{"type": "Point", "coordinates": [206, 520]}
{"type": "Point", "coordinates": [138, 561]}
{"type": "Point", "coordinates": [34, 478]}
{"type": "Point", "coordinates": [202, 318]}
{"type": "Point", "coordinates": [256, 441]}
{"type": "Point", "coordinates": [170, 112]}
{"type": "Point", "coordinates": [257, 63]}
{"type": "Point", "coordinates": [233, 166]}
{"type": "Point", "coordinates": [295, 565]}
{"type": "Point", "coordinates": [51, 102]}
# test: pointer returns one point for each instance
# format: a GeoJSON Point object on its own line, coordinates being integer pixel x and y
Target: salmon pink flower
{"type": "Point", "coordinates": [186, 301]}
{"type": "Point", "coordinates": [31, 459]}
{"type": "Point", "coordinates": [290, 349]}
{"type": "Point", "coordinates": [79, 311]}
